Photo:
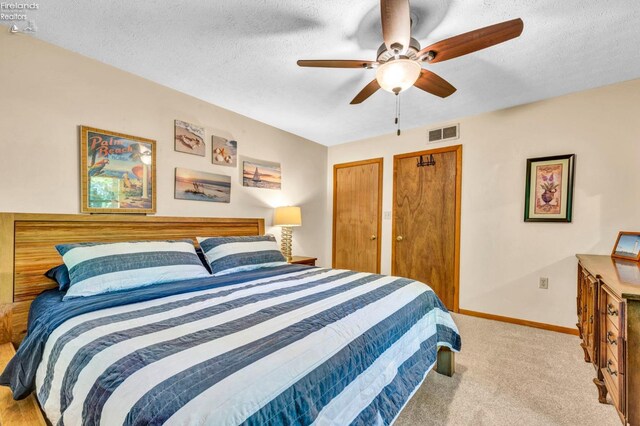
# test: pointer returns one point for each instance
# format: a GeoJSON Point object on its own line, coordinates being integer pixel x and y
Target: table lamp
{"type": "Point", "coordinates": [287, 217]}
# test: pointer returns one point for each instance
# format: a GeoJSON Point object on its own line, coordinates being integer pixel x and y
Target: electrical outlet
{"type": "Point", "coordinates": [386, 215]}
{"type": "Point", "coordinates": [544, 283]}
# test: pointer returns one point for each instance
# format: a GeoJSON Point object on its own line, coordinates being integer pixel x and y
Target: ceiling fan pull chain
{"type": "Point", "coordinates": [398, 112]}
{"type": "Point", "coordinates": [396, 120]}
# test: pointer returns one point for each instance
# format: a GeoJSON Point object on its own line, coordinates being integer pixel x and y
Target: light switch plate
{"type": "Point", "coordinates": [386, 215]}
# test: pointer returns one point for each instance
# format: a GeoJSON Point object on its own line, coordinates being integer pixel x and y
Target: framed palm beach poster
{"type": "Point", "coordinates": [117, 172]}
{"type": "Point", "coordinates": [549, 189]}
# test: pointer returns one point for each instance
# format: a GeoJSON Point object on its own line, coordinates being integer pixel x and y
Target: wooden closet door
{"type": "Point", "coordinates": [357, 211]}
{"type": "Point", "coordinates": [426, 221]}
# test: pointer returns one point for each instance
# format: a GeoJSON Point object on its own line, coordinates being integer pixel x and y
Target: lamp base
{"type": "Point", "coordinates": [286, 242]}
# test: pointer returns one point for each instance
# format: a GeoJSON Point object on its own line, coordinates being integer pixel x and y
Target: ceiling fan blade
{"type": "Point", "coordinates": [324, 63]}
{"type": "Point", "coordinates": [368, 90]}
{"type": "Point", "coordinates": [473, 41]}
{"type": "Point", "coordinates": [396, 24]}
{"type": "Point", "coordinates": [434, 84]}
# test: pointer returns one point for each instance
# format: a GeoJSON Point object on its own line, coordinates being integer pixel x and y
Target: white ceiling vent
{"type": "Point", "coordinates": [444, 133]}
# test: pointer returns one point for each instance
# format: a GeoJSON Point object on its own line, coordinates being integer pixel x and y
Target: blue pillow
{"type": "Point", "coordinates": [227, 255]}
{"type": "Point", "coordinates": [59, 274]}
{"type": "Point", "coordinates": [96, 268]}
{"type": "Point", "coordinates": [203, 258]}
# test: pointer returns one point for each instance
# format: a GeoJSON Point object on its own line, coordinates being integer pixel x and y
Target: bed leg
{"type": "Point", "coordinates": [446, 363]}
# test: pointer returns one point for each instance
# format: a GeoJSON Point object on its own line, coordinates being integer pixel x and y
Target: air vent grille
{"type": "Point", "coordinates": [444, 133]}
{"type": "Point", "coordinates": [435, 135]}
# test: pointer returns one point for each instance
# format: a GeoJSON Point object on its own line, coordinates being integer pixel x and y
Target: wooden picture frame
{"type": "Point", "coordinates": [117, 172]}
{"type": "Point", "coordinates": [627, 246]}
{"type": "Point", "coordinates": [549, 189]}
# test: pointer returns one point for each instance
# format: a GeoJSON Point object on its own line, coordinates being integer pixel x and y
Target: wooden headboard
{"type": "Point", "coordinates": [27, 249]}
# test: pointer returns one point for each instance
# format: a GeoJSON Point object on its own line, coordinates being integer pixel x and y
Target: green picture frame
{"type": "Point", "coordinates": [549, 189]}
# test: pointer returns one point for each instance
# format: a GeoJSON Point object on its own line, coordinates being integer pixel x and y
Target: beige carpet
{"type": "Point", "coordinates": [511, 375]}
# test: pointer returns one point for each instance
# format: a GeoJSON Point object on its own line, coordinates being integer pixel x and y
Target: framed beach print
{"type": "Point", "coordinates": [117, 172]}
{"type": "Point", "coordinates": [202, 186]}
{"type": "Point", "coordinates": [627, 246]}
{"type": "Point", "coordinates": [261, 174]}
{"type": "Point", "coordinates": [189, 138]}
{"type": "Point", "coordinates": [224, 152]}
{"type": "Point", "coordinates": [549, 189]}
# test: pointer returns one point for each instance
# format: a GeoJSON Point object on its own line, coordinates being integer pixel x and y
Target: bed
{"type": "Point", "coordinates": [286, 345]}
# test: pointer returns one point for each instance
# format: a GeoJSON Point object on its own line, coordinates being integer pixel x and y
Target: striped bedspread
{"type": "Point", "coordinates": [296, 346]}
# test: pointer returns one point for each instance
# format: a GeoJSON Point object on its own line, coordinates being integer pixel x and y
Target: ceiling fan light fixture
{"type": "Point", "coordinates": [398, 75]}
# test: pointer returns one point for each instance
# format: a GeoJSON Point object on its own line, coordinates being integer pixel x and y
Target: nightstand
{"type": "Point", "coordinates": [302, 260]}
{"type": "Point", "coordinates": [23, 412]}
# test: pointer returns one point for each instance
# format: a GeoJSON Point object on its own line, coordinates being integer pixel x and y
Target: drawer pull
{"type": "Point", "coordinates": [611, 310]}
{"type": "Point", "coordinates": [591, 319]}
{"type": "Point", "coordinates": [613, 373]}
{"type": "Point", "coordinates": [609, 339]}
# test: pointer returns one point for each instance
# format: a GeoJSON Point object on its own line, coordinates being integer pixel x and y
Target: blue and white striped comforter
{"type": "Point", "coordinates": [297, 346]}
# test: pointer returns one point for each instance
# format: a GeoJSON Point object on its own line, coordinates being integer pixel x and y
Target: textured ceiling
{"type": "Point", "coordinates": [241, 54]}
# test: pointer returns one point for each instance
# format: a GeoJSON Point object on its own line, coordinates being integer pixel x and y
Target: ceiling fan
{"type": "Point", "coordinates": [399, 60]}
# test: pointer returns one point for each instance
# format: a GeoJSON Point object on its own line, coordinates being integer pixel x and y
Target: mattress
{"type": "Point", "coordinates": [291, 345]}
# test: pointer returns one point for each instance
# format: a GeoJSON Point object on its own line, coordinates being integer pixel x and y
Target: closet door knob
{"type": "Point", "coordinates": [399, 238]}
{"type": "Point", "coordinates": [373, 237]}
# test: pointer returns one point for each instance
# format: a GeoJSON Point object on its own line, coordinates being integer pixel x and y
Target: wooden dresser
{"type": "Point", "coordinates": [608, 307]}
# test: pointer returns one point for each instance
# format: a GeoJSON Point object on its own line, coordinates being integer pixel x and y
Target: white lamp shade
{"type": "Point", "coordinates": [287, 216]}
{"type": "Point", "coordinates": [398, 75]}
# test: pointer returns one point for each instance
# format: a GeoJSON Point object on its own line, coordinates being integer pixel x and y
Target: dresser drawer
{"type": "Point", "coordinates": [611, 336]}
{"type": "Point", "coordinates": [613, 379]}
{"type": "Point", "coordinates": [612, 309]}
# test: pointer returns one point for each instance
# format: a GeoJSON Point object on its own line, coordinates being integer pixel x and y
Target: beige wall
{"type": "Point", "coordinates": [502, 257]}
{"type": "Point", "coordinates": [46, 92]}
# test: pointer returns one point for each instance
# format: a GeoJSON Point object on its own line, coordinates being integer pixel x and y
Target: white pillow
{"type": "Point", "coordinates": [227, 255]}
{"type": "Point", "coordinates": [96, 268]}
